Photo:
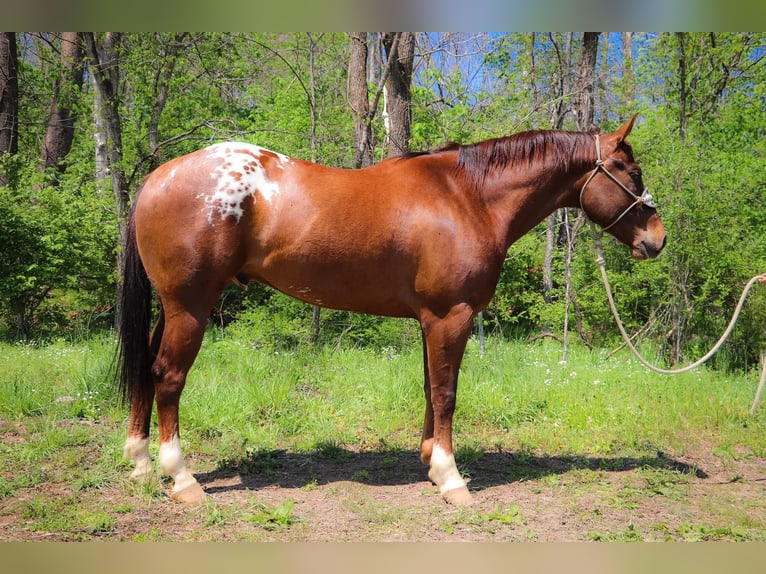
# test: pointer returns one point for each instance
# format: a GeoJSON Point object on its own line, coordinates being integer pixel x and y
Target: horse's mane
{"type": "Point", "coordinates": [556, 149]}
{"type": "Point", "coordinates": [559, 150]}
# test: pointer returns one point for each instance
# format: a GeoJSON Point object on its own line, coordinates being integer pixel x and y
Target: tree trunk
{"type": "Point", "coordinates": [316, 310]}
{"type": "Point", "coordinates": [682, 104]}
{"type": "Point", "coordinates": [586, 77]}
{"type": "Point", "coordinates": [557, 121]}
{"type": "Point", "coordinates": [104, 67]}
{"type": "Point", "coordinates": [9, 99]}
{"type": "Point", "coordinates": [398, 91]}
{"type": "Point", "coordinates": [99, 135]}
{"type": "Point", "coordinates": [581, 81]}
{"type": "Point", "coordinates": [59, 132]}
{"type": "Point", "coordinates": [628, 75]}
{"type": "Point", "coordinates": [162, 79]}
{"type": "Point", "coordinates": [586, 80]}
{"type": "Point", "coordinates": [358, 98]}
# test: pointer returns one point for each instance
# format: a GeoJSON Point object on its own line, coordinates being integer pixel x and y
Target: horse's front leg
{"type": "Point", "coordinates": [427, 440]}
{"type": "Point", "coordinates": [445, 340]}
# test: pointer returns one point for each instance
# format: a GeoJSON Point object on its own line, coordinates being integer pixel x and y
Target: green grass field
{"type": "Point", "coordinates": [63, 429]}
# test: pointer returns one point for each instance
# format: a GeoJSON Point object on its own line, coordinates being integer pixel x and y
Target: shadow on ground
{"type": "Point", "coordinates": [328, 464]}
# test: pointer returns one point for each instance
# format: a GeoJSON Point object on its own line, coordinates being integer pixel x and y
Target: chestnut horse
{"type": "Point", "coordinates": [423, 236]}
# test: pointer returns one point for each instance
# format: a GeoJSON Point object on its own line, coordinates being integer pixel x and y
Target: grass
{"type": "Point", "coordinates": [63, 429]}
{"type": "Point", "coordinates": [517, 392]}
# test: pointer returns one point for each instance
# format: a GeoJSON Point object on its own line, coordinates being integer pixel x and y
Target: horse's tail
{"type": "Point", "coordinates": [135, 356]}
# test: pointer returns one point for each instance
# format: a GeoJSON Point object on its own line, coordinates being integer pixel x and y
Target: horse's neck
{"type": "Point", "coordinates": [518, 204]}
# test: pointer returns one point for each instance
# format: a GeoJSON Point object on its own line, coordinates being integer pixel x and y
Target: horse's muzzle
{"type": "Point", "coordinates": [648, 249]}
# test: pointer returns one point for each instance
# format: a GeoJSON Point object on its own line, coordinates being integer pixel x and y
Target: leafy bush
{"type": "Point", "coordinates": [54, 258]}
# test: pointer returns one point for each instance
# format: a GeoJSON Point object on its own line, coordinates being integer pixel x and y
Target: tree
{"type": "Point", "coordinates": [104, 64]}
{"type": "Point", "coordinates": [59, 132]}
{"type": "Point", "coordinates": [585, 82]}
{"type": "Point", "coordinates": [170, 51]}
{"type": "Point", "coordinates": [713, 102]}
{"type": "Point", "coordinates": [628, 85]}
{"type": "Point", "coordinates": [397, 92]}
{"type": "Point", "coordinates": [9, 100]}
{"type": "Point", "coordinates": [559, 112]}
{"type": "Point", "coordinates": [700, 139]}
{"type": "Point", "coordinates": [312, 96]}
{"type": "Point", "coordinates": [358, 98]}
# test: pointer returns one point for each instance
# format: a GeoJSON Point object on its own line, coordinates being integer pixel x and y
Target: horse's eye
{"type": "Point", "coordinates": [635, 176]}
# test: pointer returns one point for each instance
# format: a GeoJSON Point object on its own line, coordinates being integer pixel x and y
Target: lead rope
{"type": "Point", "coordinates": [602, 267]}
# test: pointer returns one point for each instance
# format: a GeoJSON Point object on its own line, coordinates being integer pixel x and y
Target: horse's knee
{"type": "Point", "coordinates": [443, 401]}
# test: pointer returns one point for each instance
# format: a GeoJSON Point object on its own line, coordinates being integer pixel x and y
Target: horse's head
{"type": "Point", "coordinates": [613, 195]}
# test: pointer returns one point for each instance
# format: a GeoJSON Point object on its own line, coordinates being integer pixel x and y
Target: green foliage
{"type": "Point", "coordinates": [55, 258]}
{"type": "Point", "coordinates": [275, 321]}
{"type": "Point", "coordinates": [700, 139]}
{"type": "Point", "coordinates": [518, 307]}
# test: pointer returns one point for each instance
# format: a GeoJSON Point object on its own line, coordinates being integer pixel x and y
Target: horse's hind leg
{"type": "Point", "coordinates": [180, 344]}
{"type": "Point", "coordinates": [142, 398]}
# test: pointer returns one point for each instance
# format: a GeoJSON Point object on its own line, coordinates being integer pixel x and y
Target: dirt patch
{"type": "Point", "coordinates": [344, 495]}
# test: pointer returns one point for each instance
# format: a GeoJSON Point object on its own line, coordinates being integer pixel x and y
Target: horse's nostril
{"type": "Point", "coordinates": [650, 249]}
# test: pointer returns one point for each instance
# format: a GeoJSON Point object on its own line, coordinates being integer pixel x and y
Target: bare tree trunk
{"type": "Point", "coordinates": [9, 98]}
{"type": "Point", "coordinates": [162, 82]}
{"type": "Point", "coordinates": [358, 107]}
{"type": "Point", "coordinates": [585, 113]}
{"type": "Point", "coordinates": [680, 297]}
{"type": "Point", "coordinates": [358, 98]}
{"type": "Point", "coordinates": [398, 91]}
{"type": "Point", "coordinates": [586, 80]}
{"type": "Point", "coordinates": [581, 82]}
{"type": "Point", "coordinates": [557, 121]}
{"type": "Point", "coordinates": [99, 135]}
{"type": "Point", "coordinates": [682, 104]}
{"type": "Point", "coordinates": [59, 133]}
{"type": "Point", "coordinates": [104, 66]}
{"type": "Point", "coordinates": [628, 74]}
{"type": "Point", "coordinates": [316, 311]}
{"type": "Point", "coordinates": [532, 70]}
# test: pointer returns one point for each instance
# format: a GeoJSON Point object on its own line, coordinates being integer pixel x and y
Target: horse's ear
{"type": "Point", "coordinates": [623, 132]}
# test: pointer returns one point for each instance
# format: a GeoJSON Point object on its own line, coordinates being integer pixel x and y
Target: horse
{"type": "Point", "coordinates": [422, 236]}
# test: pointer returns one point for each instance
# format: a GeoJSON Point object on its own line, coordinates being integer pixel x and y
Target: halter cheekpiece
{"type": "Point", "coordinates": [644, 199]}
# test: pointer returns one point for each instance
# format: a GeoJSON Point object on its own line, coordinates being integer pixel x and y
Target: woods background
{"type": "Point", "coordinates": [85, 116]}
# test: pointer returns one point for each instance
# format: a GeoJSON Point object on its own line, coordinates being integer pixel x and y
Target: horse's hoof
{"type": "Point", "coordinates": [458, 497]}
{"type": "Point", "coordinates": [192, 494]}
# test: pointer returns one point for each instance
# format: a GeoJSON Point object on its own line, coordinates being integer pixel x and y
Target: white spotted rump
{"type": "Point", "coordinates": [238, 173]}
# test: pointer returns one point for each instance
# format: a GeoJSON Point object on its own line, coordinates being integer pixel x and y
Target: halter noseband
{"type": "Point", "coordinates": [644, 199]}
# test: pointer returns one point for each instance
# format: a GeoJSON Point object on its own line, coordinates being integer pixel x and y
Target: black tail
{"type": "Point", "coordinates": [134, 356]}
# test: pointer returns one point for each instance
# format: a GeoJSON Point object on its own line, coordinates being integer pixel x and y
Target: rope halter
{"type": "Point", "coordinates": [644, 199]}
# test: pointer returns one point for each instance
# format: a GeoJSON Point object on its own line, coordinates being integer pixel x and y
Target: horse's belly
{"type": "Point", "coordinates": [365, 288]}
